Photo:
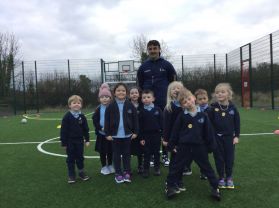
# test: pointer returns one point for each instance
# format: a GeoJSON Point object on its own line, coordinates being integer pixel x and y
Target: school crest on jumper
{"type": "Point", "coordinates": [201, 120]}
{"type": "Point", "coordinates": [156, 113]}
{"type": "Point", "coordinates": [231, 112]}
{"type": "Point", "coordinates": [129, 111]}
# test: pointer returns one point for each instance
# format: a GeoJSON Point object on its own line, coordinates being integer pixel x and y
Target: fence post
{"type": "Point", "coordinates": [37, 91]}
{"type": "Point", "coordinates": [69, 76]}
{"type": "Point", "coordinates": [227, 69]}
{"type": "Point", "coordinates": [250, 76]}
{"type": "Point", "coordinates": [214, 68]}
{"type": "Point", "coordinates": [23, 83]}
{"type": "Point", "coordinates": [241, 93]}
{"type": "Point", "coordinates": [102, 70]}
{"type": "Point", "coordinates": [182, 67]}
{"type": "Point", "coordinates": [271, 71]}
{"type": "Point", "coordinates": [14, 90]}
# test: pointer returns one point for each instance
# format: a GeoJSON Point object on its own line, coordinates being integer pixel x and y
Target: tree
{"type": "Point", "coordinates": [139, 49]}
{"type": "Point", "coordinates": [9, 49]}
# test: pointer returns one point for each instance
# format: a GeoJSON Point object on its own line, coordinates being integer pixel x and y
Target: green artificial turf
{"type": "Point", "coordinates": [31, 179]}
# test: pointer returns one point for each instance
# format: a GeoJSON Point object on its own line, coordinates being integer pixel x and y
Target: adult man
{"type": "Point", "coordinates": [155, 74]}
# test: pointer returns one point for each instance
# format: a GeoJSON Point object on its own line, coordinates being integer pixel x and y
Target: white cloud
{"type": "Point", "coordinates": [105, 28]}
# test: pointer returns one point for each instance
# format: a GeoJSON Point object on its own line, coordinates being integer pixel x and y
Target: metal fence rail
{"type": "Point", "coordinates": [252, 70]}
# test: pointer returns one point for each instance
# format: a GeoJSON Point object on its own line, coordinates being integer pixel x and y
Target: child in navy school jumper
{"type": "Point", "coordinates": [103, 146]}
{"type": "Point", "coordinates": [74, 130]}
{"type": "Point", "coordinates": [136, 147]}
{"type": "Point", "coordinates": [202, 101]}
{"type": "Point", "coordinates": [151, 126]}
{"type": "Point", "coordinates": [121, 125]}
{"type": "Point", "coordinates": [171, 111]}
{"type": "Point", "coordinates": [191, 137]}
{"type": "Point", "coordinates": [226, 122]}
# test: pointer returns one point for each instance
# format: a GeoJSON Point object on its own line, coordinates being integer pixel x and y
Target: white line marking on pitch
{"type": "Point", "coordinates": [38, 118]}
{"type": "Point", "coordinates": [7, 143]}
{"type": "Point", "coordinates": [39, 147]}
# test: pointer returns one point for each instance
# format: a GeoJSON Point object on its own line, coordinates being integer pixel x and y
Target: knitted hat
{"type": "Point", "coordinates": [104, 90]}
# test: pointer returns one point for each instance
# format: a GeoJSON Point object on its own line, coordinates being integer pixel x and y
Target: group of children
{"type": "Point", "coordinates": [188, 127]}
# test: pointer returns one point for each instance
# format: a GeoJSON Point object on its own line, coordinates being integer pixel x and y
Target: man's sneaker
{"type": "Point", "coordinates": [171, 191]}
{"type": "Point", "coordinates": [111, 169]}
{"type": "Point", "coordinates": [119, 179]}
{"type": "Point", "coordinates": [215, 193]}
{"type": "Point", "coordinates": [145, 174]}
{"type": "Point", "coordinates": [157, 172]}
{"type": "Point", "coordinates": [222, 183]}
{"type": "Point", "coordinates": [83, 176]}
{"type": "Point", "coordinates": [230, 184]}
{"type": "Point", "coordinates": [165, 160]}
{"type": "Point", "coordinates": [181, 187]}
{"type": "Point", "coordinates": [105, 170]}
{"type": "Point", "coordinates": [203, 177]}
{"type": "Point", "coordinates": [187, 172]}
{"type": "Point", "coordinates": [71, 180]}
{"type": "Point", "coordinates": [127, 177]}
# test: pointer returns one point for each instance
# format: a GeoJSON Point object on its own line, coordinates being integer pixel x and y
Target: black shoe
{"type": "Point", "coordinates": [71, 179]}
{"type": "Point", "coordinates": [203, 177]}
{"type": "Point", "coordinates": [215, 193]}
{"type": "Point", "coordinates": [181, 187]}
{"type": "Point", "coordinates": [171, 191]}
{"type": "Point", "coordinates": [83, 176]}
{"type": "Point", "coordinates": [145, 173]}
{"type": "Point", "coordinates": [187, 172]}
{"type": "Point", "coordinates": [157, 172]}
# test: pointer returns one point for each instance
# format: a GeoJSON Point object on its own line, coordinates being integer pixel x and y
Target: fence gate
{"type": "Point", "coordinates": [246, 72]}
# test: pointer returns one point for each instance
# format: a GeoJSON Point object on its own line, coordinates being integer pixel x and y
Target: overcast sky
{"type": "Point", "coordinates": [62, 29]}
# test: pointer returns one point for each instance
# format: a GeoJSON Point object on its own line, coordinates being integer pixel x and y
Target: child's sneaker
{"type": "Point", "coordinates": [181, 187]}
{"type": "Point", "coordinates": [203, 177]}
{"type": "Point", "coordinates": [222, 183]}
{"type": "Point", "coordinates": [171, 191]}
{"type": "Point", "coordinates": [152, 161]}
{"type": "Point", "coordinates": [165, 160]}
{"type": "Point", "coordinates": [83, 176]}
{"type": "Point", "coordinates": [71, 180]}
{"type": "Point", "coordinates": [215, 193]}
{"type": "Point", "coordinates": [127, 177]}
{"type": "Point", "coordinates": [187, 172]}
{"type": "Point", "coordinates": [111, 169]}
{"type": "Point", "coordinates": [105, 170]}
{"type": "Point", "coordinates": [230, 184]}
{"type": "Point", "coordinates": [119, 179]}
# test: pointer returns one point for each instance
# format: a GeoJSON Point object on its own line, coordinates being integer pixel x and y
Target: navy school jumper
{"type": "Point", "coordinates": [156, 75]}
{"type": "Point", "coordinates": [226, 123]}
{"type": "Point", "coordinates": [192, 137]}
{"type": "Point", "coordinates": [72, 135]}
{"type": "Point", "coordinates": [121, 146]}
{"type": "Point", "coordinates": [151, 126]}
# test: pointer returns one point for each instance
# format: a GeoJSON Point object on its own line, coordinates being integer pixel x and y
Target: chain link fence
{"type": "Point", "coordinates": [252, 70]}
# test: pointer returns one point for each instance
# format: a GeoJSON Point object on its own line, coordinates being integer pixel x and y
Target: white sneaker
{"type": "Point", "coordinates": [151, 164]}
{"type": "Point", "coordinates": [105, 170]}
{"type": "Point", "coordinates": [111, 169]}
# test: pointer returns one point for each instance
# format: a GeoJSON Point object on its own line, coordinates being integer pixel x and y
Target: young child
{"type": "Point", "coordinates": [202, 101]}
{"type": "Point", "coordinates": [171, 112]}
{"type": "Point", "coordinates": [192, 137]}
{"type": "Point", "coordinates": [121, 125]}
{"type": "Point", "coordinates": [74, 130]}
{"type": "Point", "coordinates": [151, 126]}
{"type": "Point", "coordinates": [103, 146]}
{"type": "Point", "coordinates": [226, 121]}
{"type": "Point", "coordinates": [136, 147]}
